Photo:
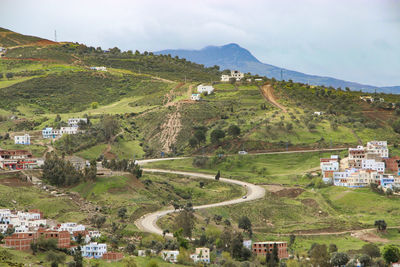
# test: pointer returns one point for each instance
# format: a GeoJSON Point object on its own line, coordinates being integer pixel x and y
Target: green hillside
{"type": "Point", "coordinates": [9, 38]}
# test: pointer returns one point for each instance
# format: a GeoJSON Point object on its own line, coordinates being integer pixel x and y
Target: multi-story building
{"type": "Point", "coordinates": [263, 248]}
{"type": "Point", "coordinates": [113, 256]}
{"type": "Point", "coordinates": [393, 164]}
{"type": "Point", "coordinates": [63, 237]}
{"type": "Point", "coordinates": [378, 147]}
{"type": "Point", "coordinates": [201, 255]}
{"type": "Point", "coordinates": [71, 227]}
{"type": "Point", "coordinates": [371, 164]}
{"type": "Point", "coordinates": [328, 167]}
{"type": "Point", "coordinates": [74, 122]}
{"type": "Point", "coordinates": [22, 139]}
{"type": "Point", "coordinates": [17, 160]}
{"type": "Point", "coordinates": [50, 133]}
{"type": "Point", "coordinates": [94, 250]}
{"type": "Point", "coordinates": [356, 155]}
{"type": "Point", "coordinates": [20, 241]}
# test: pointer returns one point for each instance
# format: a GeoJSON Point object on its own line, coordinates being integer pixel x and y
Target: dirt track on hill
{"type": "Point", "coordinates": [268, 93]}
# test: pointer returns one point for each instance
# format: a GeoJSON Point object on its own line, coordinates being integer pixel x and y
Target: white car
{"type": "Point", "coordinates": [243, 152]}
{"type": "Point", "coordinates": [244, 197]}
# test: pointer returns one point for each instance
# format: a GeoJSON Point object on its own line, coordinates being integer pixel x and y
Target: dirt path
{"type": "Point", "coordinates": [268, 93]}
{"type": "Point", "coordinates": [170, 129]}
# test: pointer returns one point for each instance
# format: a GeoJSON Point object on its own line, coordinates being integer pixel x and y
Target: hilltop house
{"type": "Point", "coordinates": [201, 89]}
{"type": "Point", "coordinates": [22, 139]}
{"type": "Point", "coordinates": [54, 133]}
{"type": "Point", "coordinates": [235, 74]}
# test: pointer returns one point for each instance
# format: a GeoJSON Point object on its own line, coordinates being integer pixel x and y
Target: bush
{"type": "Point", "coordinates": [200, 162]}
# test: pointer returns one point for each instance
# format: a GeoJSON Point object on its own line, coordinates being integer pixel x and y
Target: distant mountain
{"type": "Point", "coordinates": [234, 57]}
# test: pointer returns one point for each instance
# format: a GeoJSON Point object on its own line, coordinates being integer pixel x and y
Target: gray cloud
{"type": "Point", "coordinates": [356, 40]}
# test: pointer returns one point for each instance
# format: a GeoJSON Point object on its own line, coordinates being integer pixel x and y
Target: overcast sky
{"type": "Point", "coordinates": [355, 40]}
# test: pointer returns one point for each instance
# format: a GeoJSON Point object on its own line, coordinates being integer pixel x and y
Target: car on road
{"type": "Point", "coordinates": [244, 197]}
{"type": "Point", "coordinates": [242, 152]}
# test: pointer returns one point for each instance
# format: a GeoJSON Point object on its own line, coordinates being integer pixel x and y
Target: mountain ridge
{"type": "Point", "coordinates": [233, 56]}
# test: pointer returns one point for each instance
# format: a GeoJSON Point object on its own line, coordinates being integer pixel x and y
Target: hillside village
{"type": "Point", "coordinates": [154, 165]}
{"type": "Point", "coordinates": [363, 166]}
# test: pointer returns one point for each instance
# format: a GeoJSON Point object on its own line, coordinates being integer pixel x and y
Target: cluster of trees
{"type": "Point", "coordinates": [60, 172]}
{"type": "Point", "coordinates": [123, 165]}
{"type": "Point", "coordinates": [199, 136]}
{"type": "Point", "coordinates": [103, 131]}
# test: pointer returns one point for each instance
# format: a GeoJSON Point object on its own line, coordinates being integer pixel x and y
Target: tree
{"type": "Point", "coordinates": [218, 175]}
{"type": "Point", "coordinates": [200, 135]}
{"type": "Point", "coordinates": [272, 259]}
{"type": "Point", "coordinates": [185, 221]}
{"type": "Point", "coordinates": [129, 262]}
{"type": "Point", "coordinates": [110, 126]}
{"type": "Point", "coordinates": [201, 184]}
{"type": "Point", "coordinates": [9, 75]}
{"type": "Point", "coordinates": [55, 258]}
{"type": "Point", "coordinates": [216, 135]}
{"type": "Point", "coordinates": [332, 248]}
{"type": "Point", "coordinates": [91, 171]}
{"type": "Point", "coordinates": [234, 130]}
{"type": "Point", "coordinates": [339, 259]}
{"type": "Point", "coordinates": [319, 255]}
{"type": "Point", "coordinates": [371, 250]}
{"type": "Point", "coordinates": [396, 126]}
{"type": "Point", "coordinates": [193, 142]}
{"type": "Point", "coordinates": [78, 259]}
{"type": "Point", "coordinates": [58, 118]}
{"type": "Point", "coordinates": [245, 224]}
{"type": "Point", "coordinates": [289, 126]}
{"type": "Point", "coordinates": [381, 225]}
{"type": "Point", "coordinates": [98, 220]}
{"type": "Point", "coordinates": [94, 105]}
{"type": "Point", "coordinates": [122, 212]}
{"type": "Point", "coordinates": [391, 253]}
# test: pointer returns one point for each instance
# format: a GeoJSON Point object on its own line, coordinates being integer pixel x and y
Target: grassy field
{"type": "Point", "coordinates": [152, 192]}
{"type": "Point", "coordinates": [272, 168]}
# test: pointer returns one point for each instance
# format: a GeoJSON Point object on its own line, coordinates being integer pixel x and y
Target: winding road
{"type": "Point", "coordinates": [148, 222]}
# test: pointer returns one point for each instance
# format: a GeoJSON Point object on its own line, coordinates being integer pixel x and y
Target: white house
{"type": "Point", "coordinates": [68, 130]}
{"type": "Point", "coordinates": [22, 139]}
{"type": "Point", "coordinates": [318, 113]}
{"type": "Point", "coordinates": [371, 164]}
{"type": "Point", "coordinates": [28, 215]}
{"type": "Point", "coordinates": [201, 255]}
{"type": "Point", "coordinates": [196, 97]}
{"type": "Point", "coordinates": [142, 252]}
{"type": "Point", "coordinates": [94, 250]}
{"type": "Point", "coordinates": [328, 166]}
{"type": "Point", "coordinates": [74, 122]}
{"type": "Point", "coordinates": [71, 227]}
{"type": "Point", "coordinates": [170, 255]}
{"type": "Point", "coordinates": [209, 89]}
{"type": "Point", "coordinates": [99, 68]}
{"type": "Point", "coordinates": [378, 147]}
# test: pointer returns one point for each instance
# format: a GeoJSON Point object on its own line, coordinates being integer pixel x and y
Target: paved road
{"type": "Point", "coordinates": [144, 161]}
{"type": "Point", "coordinates": [148, 222]}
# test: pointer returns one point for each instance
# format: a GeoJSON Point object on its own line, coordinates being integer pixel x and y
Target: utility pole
{"type": "Point", "coordinates": [55, 35]}
{"type": "Point", "coordinates": [281, 75]}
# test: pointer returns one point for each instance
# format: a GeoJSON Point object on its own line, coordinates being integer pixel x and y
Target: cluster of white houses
{"type": "Point", "coordinates": [28, 227]}
{"type": "Point", "coordinates": [364, 166]}
{"type": "Point", "coordinates": [73, 128]}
